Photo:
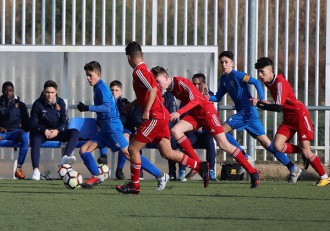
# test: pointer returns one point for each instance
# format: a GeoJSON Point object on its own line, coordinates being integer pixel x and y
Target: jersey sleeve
{"type": "Point", "coordinates": [193, 99]}
{"type": "Point", "coordinates": [282, 93]}
{"type": "Point", "coordinates": [146, 78]}
{"type": "Point", "coordinates": [220, 93]}
{"type": "Point", "coordinates": [256, 84]}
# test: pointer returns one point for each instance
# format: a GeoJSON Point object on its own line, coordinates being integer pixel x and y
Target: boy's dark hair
{"type": "Point", "coordinates": [7, 84]}
{"type": "Point", "coordinates": [93, 66]}
{"type": "Point", "coordinates": [116, 83]}
{"type": "Point", "coordinates": [228, 54]}
{"type": "Point", "coordinates": [200, 76]}
{"type": "Point", "coordinates": [133, 49]}
{"type": "Point", "coordinates": [263, 62]}
{"type": "Point", "coordinates": [158, 70]}
{"type": "Point", "coordinates": [50, 83]}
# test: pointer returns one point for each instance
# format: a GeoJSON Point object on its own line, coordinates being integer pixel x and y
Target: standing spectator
{"type": "Point", "coordinates": [49, 122]}
{"type": "Point", "coordinates": [296, 118]}
{"type": "Point", "coordinates": [154, 127]}
{"type": "Point", "coordinates": [14, 123]}
{"type": "Point", "coordinates": [201, 113]}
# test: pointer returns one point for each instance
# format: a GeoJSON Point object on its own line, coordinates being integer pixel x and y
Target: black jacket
{"type": "Point", "coordinates": [48, 116]}
{"type": "Point", "coordinates": [13, 114]}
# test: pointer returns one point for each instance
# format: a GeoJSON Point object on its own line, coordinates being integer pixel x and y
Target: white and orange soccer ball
{"type": "Point", "coordinates": [63, 169]}
{"type": "Point", "coordinates": [105, 170]}
{"type": "Point", "coordinates": [73, 179]}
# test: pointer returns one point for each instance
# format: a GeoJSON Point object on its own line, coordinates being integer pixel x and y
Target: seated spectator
{"type": "Point", "coordinates": [49, 122]}
{"type": "Point", "coordinates": [14, 123]}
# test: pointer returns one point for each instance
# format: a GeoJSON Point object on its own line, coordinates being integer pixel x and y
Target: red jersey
{"type": "Point", "coordinates": [143, 82]}
{"type": "Point", "coordinates": [189, 95]}
{"type": "Point", "coordinates": [282, 93]}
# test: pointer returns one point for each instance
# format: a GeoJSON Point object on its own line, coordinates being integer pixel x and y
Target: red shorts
{"type": "Point", "coordinates": [153, 130]}
{"type": "Point", "coordinates": [300, 122]}
{"type": "Point", "coordinates": [208, 118]}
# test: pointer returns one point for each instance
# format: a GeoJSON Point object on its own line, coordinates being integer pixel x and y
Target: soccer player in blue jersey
{"type": "Point", "coordinates": [111, 129]}
{"type": "Point", "coordinates": [236, 84]}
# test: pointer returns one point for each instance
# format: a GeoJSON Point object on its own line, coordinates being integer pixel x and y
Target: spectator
{"type": "Point", "coordinates": [14, 124]}
{"type": "Point", "coordinates": [49, 122]}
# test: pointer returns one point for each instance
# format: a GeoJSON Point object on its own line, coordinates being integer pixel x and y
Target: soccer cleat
{"type": "Point", "coordinates": [255, 180]}
{"type": "Point", "coordinates": [162, 182]}
{"type": "Point", "coordinates": [306, 161]}
{"type": "Point", "coordinates": [172, 176]}
{"type": "Point", "coordinates": [191, 174]}
{"type": "Point", "coordinates": [294, 175]}
{"type": "Point", "coordinates": [205, 173]}
{"type": "Point", "coordinates": [128, 188]}
{"type": "Point", "coordinates": [181, 176]}
{"type": "Point", "coordinates": [119, 174]}
{"type": "Point", "coordinates": [36, 174]}
{"type": "Point", "coordinates": [213, 177]}
{"type": "Point", "coordinates": [67, 160]}
{"type": "Point", "coordinates": [323, 182]}
{"type": "Point", "coordinates": [92, 182]}
{"type": "Point", "coordinates": [102, 160]}
{"type": "Point", "coordinates": [19, 174]}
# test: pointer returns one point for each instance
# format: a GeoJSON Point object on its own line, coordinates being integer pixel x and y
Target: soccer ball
{"type": "Point", "coordinates": [105, 170]}
{"type": "Point", "coordinates": [63, 169]}
{"type": "Point", "coordinates": [72, 179]}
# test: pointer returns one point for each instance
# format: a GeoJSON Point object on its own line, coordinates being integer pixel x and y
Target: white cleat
{"type": "Point", "coordinates": [67, 160]}
{"type": "Point", "coordinates": [294, 175]}
{"type": "Point", "coordinates": [162, 181]}
{"type": "Point", "coordinates": [36, 174]}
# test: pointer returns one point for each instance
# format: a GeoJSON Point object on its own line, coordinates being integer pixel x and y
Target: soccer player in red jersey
{"type": "Point", "coordinates": [296, 118]}
{"type": "Point", "coordinates": [201, 113]}
{"type": "Point", "coordinates": [154, 127]}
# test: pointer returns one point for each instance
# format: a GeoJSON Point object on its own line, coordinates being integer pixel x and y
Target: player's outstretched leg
{"type": "Point", "coordinates": [97, 178]}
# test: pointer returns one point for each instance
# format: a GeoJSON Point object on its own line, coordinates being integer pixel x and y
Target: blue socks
{"type": "Point", "coordinates": [281, 157]}
{"type": "Point", "coordinates": [121, 160]}
{"type": "Point", "coordinates": [90, 163]}
{"type": "Point", "coordinates": [149, 167]}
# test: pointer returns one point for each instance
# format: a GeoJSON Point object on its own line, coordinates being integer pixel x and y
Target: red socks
{"type": "Point", "coordinates": [240, 158]}
{"type": "Point", "coordinates": [291, 148]}
{"type": "Point", "coordinates": [189, 150]}
{"type": "Point", "coordinates": [316, 164]}
{"type": "Point", "coordinates": [190, 163]}
{"type": "Point", "coordinates": [135, 174]}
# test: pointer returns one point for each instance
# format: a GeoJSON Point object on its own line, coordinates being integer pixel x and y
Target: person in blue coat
{"type": "Point", "coordinates": [49, 121]}
{"type": "Point", "coordinates": [14, 123]}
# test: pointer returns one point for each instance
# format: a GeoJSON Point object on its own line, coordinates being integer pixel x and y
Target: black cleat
{"type": "Point", "coordinates": [255, 180]}
{"type": "Point", "coordinates": [102, 160]}
{"type": "Point", "coordinates": [305, 161]}
{"type": "Point", "coordinates": [119, 174]}
{"type": "Point", "coordinates": [205, 173]}
{"type": "Point", "coordinates": [128, 189]}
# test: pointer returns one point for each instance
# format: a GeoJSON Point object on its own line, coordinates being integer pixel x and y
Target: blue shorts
{"type": "Point", "coordinates": [115, 140]}
{"type": "Point", "coordinates": [248, 121]}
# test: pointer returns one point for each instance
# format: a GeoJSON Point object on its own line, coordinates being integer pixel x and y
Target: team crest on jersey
{"type": "Point", "coordinates": [232, 83]}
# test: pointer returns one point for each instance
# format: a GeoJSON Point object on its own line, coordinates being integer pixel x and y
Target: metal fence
{"type": "Point", "coordinates": [295, 33]}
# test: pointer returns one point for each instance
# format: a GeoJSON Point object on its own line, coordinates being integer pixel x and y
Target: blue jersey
{"type": "Point", "coordinates": [236, 85]}
{"type": "Point", "coordinates": [105, 107]}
